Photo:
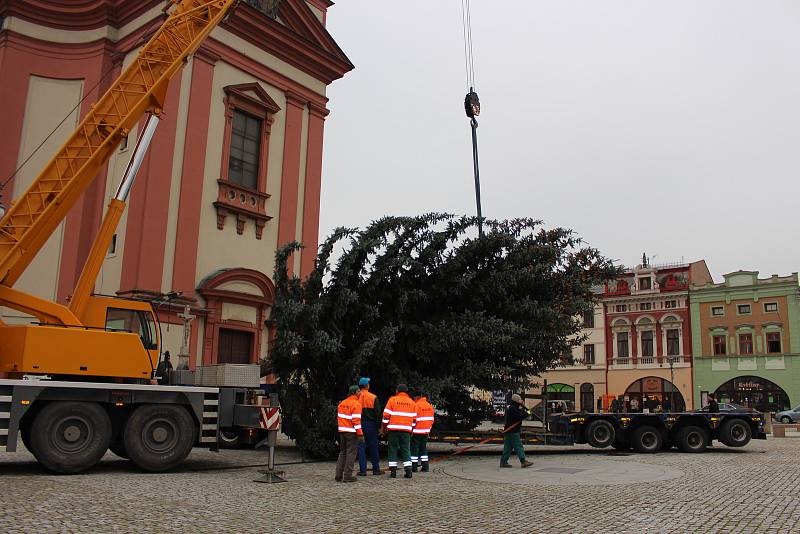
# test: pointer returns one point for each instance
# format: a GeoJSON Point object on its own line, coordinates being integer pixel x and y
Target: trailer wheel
{"type": "Point", "coordinates": [70, 437]}
{"type": "Point", "coordinates": [647, 439]}
{"type": "Point", "coordinates": [600, 434]}
{"type": "Point", "coordinates": [229, 438]}
{"type": "Point", "coordinates": [158, 437]}
{"type": "Point", "coordinates": [735, 433]}
{"type": "Point", "coordinates": [692, 439]}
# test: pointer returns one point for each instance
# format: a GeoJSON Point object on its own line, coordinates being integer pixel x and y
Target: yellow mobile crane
{"type": "Point", "coordinates": [98, 353]}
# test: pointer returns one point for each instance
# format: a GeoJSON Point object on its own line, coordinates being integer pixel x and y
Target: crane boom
{"type": "Point", "coordinates": [141, 88]}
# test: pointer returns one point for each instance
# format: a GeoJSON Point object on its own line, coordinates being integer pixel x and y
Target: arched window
{"type": "Point", "coordinates": [754, 392]}
{"type": "Point", "coordinates": [654, 393]}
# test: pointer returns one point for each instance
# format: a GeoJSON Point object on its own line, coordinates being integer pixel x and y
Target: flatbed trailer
{"type": "Point", "coordinates": [69, 425]}
{"type": "Point", "coordinates": [641, 432]}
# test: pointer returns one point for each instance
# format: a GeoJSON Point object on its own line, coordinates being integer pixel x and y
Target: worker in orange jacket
{"type": "Point", "coordinates": [419, 436]}
{"type": "Point", "coordinates": [399, 418]}
{"type": "Point", "coordinates": [348, 417]}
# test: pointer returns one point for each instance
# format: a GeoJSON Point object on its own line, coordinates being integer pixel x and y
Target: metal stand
{"type": "Point", "coordinates": [271, 476]}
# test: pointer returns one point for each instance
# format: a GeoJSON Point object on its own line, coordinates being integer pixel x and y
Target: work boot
{"type": "Point", "coordinates": [425, 467]}
{"type": "Point", "coordinates": [378, 472]}
{"type": "Point", "coordinates": [393, 472]}
{"type": "Point", "coordinates": [362, 474]}
{"type": "Point", "coordinates": [506, 465]}
{"type": "Point", "coordinates": [349, 479]}
{"type": "Point", "coordinates": [526, 463]}
{"type": "Point", "coordinates": [414, 467]}
{"type": "Point", "coordinates": [408, 473]}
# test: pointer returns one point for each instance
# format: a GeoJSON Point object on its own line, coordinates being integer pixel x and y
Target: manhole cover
{"type": "Point", "coordinates": [565, 470]}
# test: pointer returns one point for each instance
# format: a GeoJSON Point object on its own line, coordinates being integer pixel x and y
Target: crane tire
{"type": "Point", "coordinates": [70, 437]}
{"type": "Point", "coordinates": [158, 437]}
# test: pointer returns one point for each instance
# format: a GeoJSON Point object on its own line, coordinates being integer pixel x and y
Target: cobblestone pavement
{"type": "Point", "coordinates": [755, 489]}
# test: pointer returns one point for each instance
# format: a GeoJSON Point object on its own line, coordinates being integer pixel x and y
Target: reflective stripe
{"type": "Point", "coordinates": [392, 464]}
{"type": "Point", "coordinates": [346, 429]}
{"type": "Point", "coordinates": [425, 418]}
{"type": "Point", "coordinates": [384, 421]}
{"type": "Point", "coordinates": [424, 458]}
{"type": "Point", "coordinates": [406, 464]}
{"type": "Point", "coordinates": [343, 416]}
{"type": "Point", "coordinates": [399, 427]}
{"type": "Point", "coordinates": [400, 414]}
{"type": "Point", "coordinates": [414, 458]}
{"type": "Point", "coordinates": [357, 427]}
{"type": "Point", "coordinates": [421, 431]}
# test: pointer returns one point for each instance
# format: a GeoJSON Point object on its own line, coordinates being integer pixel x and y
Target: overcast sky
{"type": "Point", "coordinates": [666, 127]}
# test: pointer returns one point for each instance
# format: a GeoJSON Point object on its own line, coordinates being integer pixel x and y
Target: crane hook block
{"type": "Point", "coordinates": [472, 104]}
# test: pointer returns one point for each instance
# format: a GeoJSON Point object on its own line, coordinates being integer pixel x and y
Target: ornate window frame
{"type": "Point", "coordinates": [241, 202]}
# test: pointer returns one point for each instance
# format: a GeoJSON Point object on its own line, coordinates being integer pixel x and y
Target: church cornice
{"type": "Point", "coordinates": [77, 15]}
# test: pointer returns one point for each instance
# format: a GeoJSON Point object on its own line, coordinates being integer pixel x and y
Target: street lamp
{"type": "Point", "coordinates": [671, 361]}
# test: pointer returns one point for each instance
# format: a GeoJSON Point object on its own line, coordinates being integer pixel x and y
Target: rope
{"type": "Point", "coordinates": [469, 57]}
{"type": "Point", "coordinates": [484, 442]}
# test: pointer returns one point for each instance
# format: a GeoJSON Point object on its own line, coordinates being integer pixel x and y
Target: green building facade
{"type": "Point", "coordinates": [746, 341]}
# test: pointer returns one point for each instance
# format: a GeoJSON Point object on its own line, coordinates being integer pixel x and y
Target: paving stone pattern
{"type": "Point", "coordinates": [754, 489]}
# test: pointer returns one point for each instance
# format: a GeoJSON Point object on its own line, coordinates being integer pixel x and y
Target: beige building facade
{"type": "Point", "coordinates": [233, 172]}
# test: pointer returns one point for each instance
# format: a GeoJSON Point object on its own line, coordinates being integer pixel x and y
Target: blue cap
{"type": "Point", "coordinates": [364, 381]}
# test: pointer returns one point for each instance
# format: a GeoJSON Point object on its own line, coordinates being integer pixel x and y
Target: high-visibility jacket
{"type": "Point", "coordinates": [369, 405]}
{"type": "Point", "coordinates": [400, 413]}
{"type": "Point", "coordinates": [349, 415]}
{"type": "Point", "coordinates": [424, 416]}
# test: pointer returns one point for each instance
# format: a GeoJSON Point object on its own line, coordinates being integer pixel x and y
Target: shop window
{"type": "Point", "coordinates": [622, 345]}
{"type": "Point", "coordinates": [720, 343]}
{"type": "Point", "coordinates": [743, 309]}
{"type": "Point", "coordinates": [745, 343]}
{"type": "Point", "coordinates": [773, 342]}
{"type": "Point", "coordinates": [647, 344]}
{"type": "Point", "coordinates": [717, 311]}
{"type": "Point", "coordinates": [673, 342]}
{"type": "Point", "coordinates": [588, 354]}
{"type": "Point", "coordinates": [588, 319]}
{"type": "Point", "coordinates": [770, 307]}
{"type": "Point", "coordinates": [235, 346]}
{"type": "Point", "coordinates": [249, 113]}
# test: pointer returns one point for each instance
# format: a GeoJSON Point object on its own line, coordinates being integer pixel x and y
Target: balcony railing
{"type": "Point", "coordinates": [621, 361]}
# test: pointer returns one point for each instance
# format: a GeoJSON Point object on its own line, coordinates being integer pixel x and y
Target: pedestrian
{"type": "Point", "coordinates": [634, 404]}
{"type": "Point", "coordinates": [349, 418]}
{"type": "Point", "coordinates": [399, 418]}
{"type": "Point", "coordinates": [515, 414]}
{"type": "Point", "coordinates": [615, 405]}
{"type": "Point", "coordinates": [667, 405]}
{"type": "Point", "coordinates": [713, 405]}
{"type": "Point", "coordinates": [370, 408]}
{"type": "Point", "coordinates": [419, 436]}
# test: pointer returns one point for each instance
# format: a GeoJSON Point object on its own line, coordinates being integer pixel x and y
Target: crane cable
{"type": "Point", "coordinates": [472, 104]}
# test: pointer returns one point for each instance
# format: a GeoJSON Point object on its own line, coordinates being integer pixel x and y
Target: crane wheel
{"type": "Point", "coordinates": [70, 437]}
{"type": "Point", "coordinates": [158, 437]}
